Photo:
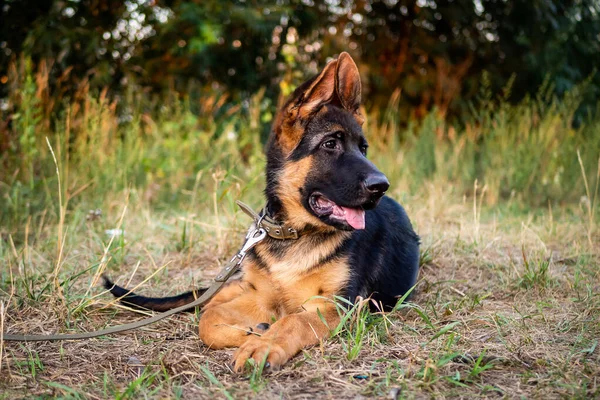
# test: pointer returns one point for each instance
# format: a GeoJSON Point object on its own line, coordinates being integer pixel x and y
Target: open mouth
{"type": "Point", "coordinates": [323, 207]}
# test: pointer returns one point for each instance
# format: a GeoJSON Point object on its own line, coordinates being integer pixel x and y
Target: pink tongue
{"type": "Point", "coordinates": [355, 217]}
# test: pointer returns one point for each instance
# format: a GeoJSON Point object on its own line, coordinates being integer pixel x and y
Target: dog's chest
{"type": "Point", "coordinates": [302, 273]}
{"type": "Point", "coordinates": [312, 288]}
{"type": "Point", "coordinates": [290, 261]}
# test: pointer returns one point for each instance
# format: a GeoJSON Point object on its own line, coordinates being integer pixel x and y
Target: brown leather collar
{"type": "Point", "coordinates": [274, 229]}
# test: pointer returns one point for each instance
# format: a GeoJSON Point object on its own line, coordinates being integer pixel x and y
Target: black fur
{"type": "Point", "coordinates": [150, 303]}
{"type": "Point", "coordinates": [383, 257]}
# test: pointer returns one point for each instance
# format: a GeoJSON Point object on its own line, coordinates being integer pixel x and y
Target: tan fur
{"type": "Point", "coordinates": [291, 287]}
{"type": "Point", "coordinates": [289, 133]}
{"type": "Point", "coordinates": [228, 318]}
{"type": "Point", "coordinates": [291, 179]}
{"type": "Point", "coordinates": [289, 129]}
{"type": "Point", "coordinates": [302, 257]}
{"type": "Point", "coordinates": [307, 293]}
{"type": "Point", "coordinates": [348, 86]}
{"type": "Point", "coordinates": [321, 91]}
{"type": "Point", "coordinates": [290, 305]}
{"type": "Point", "coordinates": [232, 290]}
{"type": "Point", "coordinates": [286, 338]}
{"type": "Point", "coordinates": [289, 294]}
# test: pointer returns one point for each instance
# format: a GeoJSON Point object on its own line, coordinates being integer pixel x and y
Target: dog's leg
{"type": "Point", "coordinates": [231, 323]}
{"type": "Point", "coordinates": [286, 337]}
{"type": "Point", "coordinates": [229, 292]}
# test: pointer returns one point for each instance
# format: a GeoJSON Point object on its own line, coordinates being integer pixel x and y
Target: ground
{"type": "Point", "coordinates": [507, 305]}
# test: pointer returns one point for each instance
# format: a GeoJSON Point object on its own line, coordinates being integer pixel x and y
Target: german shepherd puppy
{"type": "Point", "coordinates": [353, 241]}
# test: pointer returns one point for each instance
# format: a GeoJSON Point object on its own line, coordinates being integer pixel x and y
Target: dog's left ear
{"type": "Point", "coordinates": [347, 85]}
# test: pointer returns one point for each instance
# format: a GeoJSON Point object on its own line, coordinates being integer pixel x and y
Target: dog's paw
{"type": "Point", "coordinates": [260, 349]}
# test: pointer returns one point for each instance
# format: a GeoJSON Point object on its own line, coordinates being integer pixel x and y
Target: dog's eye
{"type": "Point", "coordinates": [330, 144]}
{"type": "Point", "coordinates": [363, 149]}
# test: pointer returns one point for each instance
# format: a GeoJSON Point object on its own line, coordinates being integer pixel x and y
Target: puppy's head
{"type": "Point", "coordinates": [317, 168]}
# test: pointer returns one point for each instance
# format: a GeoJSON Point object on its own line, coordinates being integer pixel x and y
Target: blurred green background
{"type": "Point", "coordinates": [149, 94]}
{"type": "Point", "coordinates": [128, 129]}
{"type": "Point", "coordinates": [435, 51]}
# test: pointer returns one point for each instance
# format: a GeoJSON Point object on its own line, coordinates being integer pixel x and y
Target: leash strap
{"type": "Point", "coordinates": [254, 236]}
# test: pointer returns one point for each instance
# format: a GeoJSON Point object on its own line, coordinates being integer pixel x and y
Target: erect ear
{"type": "Point", "coordinates": [307, 99]}
{"type": "Point", "coordinates": [347, 85]}
{"type": "Point", "coordinates": [320, 92]}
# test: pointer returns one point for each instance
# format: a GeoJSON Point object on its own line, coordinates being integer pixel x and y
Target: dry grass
{"type": "Point", "coordinates": [507, 306]}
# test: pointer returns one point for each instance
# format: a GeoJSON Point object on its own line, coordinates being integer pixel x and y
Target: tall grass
{"type": "Point", "coordinates": [526, 150]}
{"type": "Point", "coordinates": [166, 176]}
{"type": "Point", "coordinates": [166, 153]}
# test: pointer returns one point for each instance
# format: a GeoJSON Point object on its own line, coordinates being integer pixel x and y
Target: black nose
{"type": "Point", "coordinates": [377, 184]}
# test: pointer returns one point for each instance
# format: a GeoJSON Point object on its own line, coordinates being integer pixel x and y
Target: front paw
{"type": "Point", "coordinates": [260, 350]}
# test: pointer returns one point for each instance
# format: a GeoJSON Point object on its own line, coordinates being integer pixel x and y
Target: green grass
{"type": "Point", "coordinates": [507, 301]}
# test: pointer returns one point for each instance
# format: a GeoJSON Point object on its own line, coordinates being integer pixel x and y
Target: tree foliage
{"type": "Point", "coordinates": [433, 50]}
